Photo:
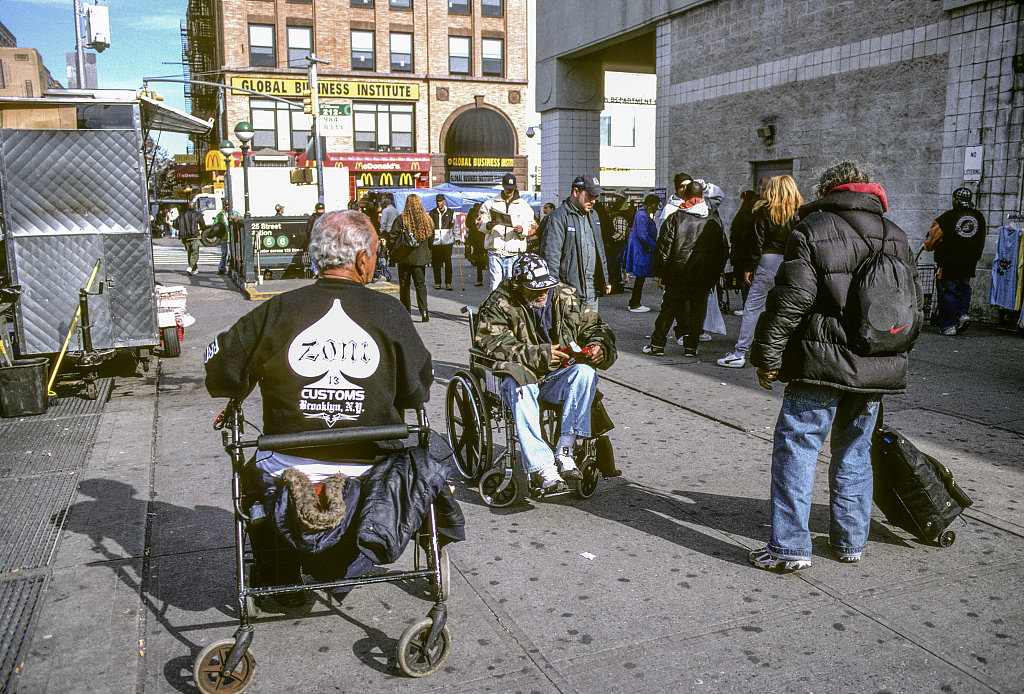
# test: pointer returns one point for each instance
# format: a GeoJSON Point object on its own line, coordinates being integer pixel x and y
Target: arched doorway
{"type": "Point", "coordinates": [479, 146]}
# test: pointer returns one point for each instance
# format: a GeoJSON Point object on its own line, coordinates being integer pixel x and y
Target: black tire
{"type": "Point", "coordinates": [414, 658]}
{"type": "Point", "coordinates": [469, 427]}
{"type": "Point", "coordinates": [211, 236]}
{"type": "Point", "coordinates": [947, 538]}
{"type": "Point", "coordinates": [172, 345]}
{"type": "Point", "coordinates": [489, 484]}
{"type": "Point", "coordinates": [586, 487]}
{"type": "Point", "coordinates": [207, 674]}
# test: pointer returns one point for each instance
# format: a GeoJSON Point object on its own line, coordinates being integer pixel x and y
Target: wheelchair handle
{"type": "Point", "coordinates": [310, 439]}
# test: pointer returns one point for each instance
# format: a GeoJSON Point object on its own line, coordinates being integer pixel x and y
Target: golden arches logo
{"type": "Point", "coordinates": [366, 179]}
{"type": "Point", "coordinates": [406, 179]}
{"type": "Point", "coordinates": [387, 179]}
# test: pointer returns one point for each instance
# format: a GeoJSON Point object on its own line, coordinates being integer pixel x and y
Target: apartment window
{"type": "Point", "coordinates": [401, 4]}
{"type": "Point", "coordinates": [361, 3]}
{"type": "Point", "coordinates": [362, 50]}
{"type": "Point", "coordinates": [383, 127]}
{"type": "Point", "coordinates": [458, 55]}
{"type": "Point", "coordinates": [261, 46]}
{"type": "Point", "coordinates": [606, 131]}
{"type": "Point", "coordinates": [278, 126]}
{"type": "Point", "coordinates": [401, 52]}
{"type": "Point", "coordinates": [492, 8]}
{"type": "Point", "coordinates": [458, 6]}
{"type": "Point", "coordinates": [492, 52]}
{"type": "Point", "coordinates": [3, 83]}
{"type": "Point", "coordinates": [300, 45]}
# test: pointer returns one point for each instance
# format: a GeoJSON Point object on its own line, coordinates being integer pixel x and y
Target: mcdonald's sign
{"type": "Point", "coordinates": [366, 179]}
{"type": "Point", "coordinates": [406, 180]}
{"type": "Point", "coordinates": [387, 180]}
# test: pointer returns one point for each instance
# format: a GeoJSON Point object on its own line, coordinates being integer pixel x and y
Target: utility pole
{"type": "Point", "coordinates": [79, 48]}
{"type": "Point", "coordinates": [314, 89]}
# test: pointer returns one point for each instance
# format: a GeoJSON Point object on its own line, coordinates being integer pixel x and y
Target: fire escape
{"type": "Point", "coordinates": [198, 59]}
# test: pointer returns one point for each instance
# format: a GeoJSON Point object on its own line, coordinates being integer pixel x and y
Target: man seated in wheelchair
{"type": "Point", "coordinates": [531, 325]}
{"type": "Point", "coordinates": [333, 354]}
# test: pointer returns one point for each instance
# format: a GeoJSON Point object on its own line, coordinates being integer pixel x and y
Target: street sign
{"type": "Point", "coordinates": [335, 119]}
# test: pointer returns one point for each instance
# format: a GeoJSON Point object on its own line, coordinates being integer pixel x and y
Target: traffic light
{"type": "Point", "coordinates": [307, 101]}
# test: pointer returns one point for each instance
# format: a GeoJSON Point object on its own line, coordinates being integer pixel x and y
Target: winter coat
{"type": "Point", "coordinates": [417, 256]}
{"type": "Point", "coordinates": [190, 224]}
{"type": "Point", "coordinates": [741, 240]}
{"type": "Point", "coordinates": [501, 238]}
{"type": "Point", "coordinates": [505, 331]}
{"type": "Point", "coordinates": [691, 250]}
{"type": "Point", "coordinates": [801, 331]}
{"type": "Point", "coordinates": [397, 493]}
{"type": "Point", "coordinates": [573, 248]}
{"type": "Point", "coordinates": [638, 259]}
{"type": "Point", "coordinates": [443, 221]}
{"type": "Point", "coordinates": [958, 242]}
{"type": "Point", "coordinates": [768, 238]}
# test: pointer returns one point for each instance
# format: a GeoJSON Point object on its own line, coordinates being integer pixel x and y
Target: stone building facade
{"type": "Point", "coordinates": [754, 87]}
{"type": "Point", "coordinates": [435, 87]}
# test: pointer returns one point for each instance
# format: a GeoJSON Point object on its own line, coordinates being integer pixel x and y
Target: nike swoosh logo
{"type": "Point", "coordinates": [893, 330]}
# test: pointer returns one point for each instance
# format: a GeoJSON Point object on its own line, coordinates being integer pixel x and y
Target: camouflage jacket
{"type": "Point", "coordinates": [506, 333]}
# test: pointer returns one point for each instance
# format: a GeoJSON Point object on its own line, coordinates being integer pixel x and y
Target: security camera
{"type": "Point", "coordinates": [531, 131]}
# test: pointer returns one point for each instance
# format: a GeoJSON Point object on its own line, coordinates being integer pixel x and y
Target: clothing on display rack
{"type": "Point", "coordinates": [1005, 290]}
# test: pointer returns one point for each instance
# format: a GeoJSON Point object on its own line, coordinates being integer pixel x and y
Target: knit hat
{"type": "Point", "coordinates": [531, 272]}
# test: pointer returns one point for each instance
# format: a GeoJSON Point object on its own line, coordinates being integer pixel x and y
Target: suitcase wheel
{"type": "Point", "coordinates": [947, 538]}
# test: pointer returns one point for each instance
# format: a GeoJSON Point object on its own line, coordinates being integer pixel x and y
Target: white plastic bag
{"type": "Point", "coordinates": [713, 321]}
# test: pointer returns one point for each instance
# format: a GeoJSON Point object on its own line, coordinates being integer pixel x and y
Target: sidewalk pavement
{"type": "Point", "coordinates": [643, 587]}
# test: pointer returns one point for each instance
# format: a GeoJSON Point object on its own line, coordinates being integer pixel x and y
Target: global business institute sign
{"type": "Point", "coordinates": [343, 89]}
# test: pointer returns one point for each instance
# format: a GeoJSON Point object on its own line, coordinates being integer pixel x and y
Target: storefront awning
{"type": "Point", "coordinates": [160, 116]}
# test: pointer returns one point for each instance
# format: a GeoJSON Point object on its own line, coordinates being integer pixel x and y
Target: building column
{"type": "Point", "coordinates": [570, 97]}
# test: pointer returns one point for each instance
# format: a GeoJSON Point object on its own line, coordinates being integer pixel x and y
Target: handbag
{"type": "Point", "coordinates": [404, 244]}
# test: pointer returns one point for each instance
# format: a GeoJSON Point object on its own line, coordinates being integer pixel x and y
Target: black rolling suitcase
{"type": "Point", "coordinates": [913, 490]}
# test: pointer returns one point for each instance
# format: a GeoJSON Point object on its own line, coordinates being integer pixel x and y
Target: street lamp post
{"type": "Point", "coordinates": [228, 150]}
{"type": "Point", "coordinates": [245, 133]}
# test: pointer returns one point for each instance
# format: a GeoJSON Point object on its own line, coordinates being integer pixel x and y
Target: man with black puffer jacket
{"type": "Point", "coordinates": [800, 339]}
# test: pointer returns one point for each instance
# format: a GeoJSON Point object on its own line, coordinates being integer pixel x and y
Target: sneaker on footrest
{"type": "Point", "coordinates": [566, 465]}
{"type": "Point", "coordinates": [549, 477]}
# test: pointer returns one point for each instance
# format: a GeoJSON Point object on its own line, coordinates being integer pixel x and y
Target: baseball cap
{"type": "Point", "coordinates": [530, 271]}
{"type": "Point", "coordinates": [589, 183]}
{"type": "Point", "coordinates": [508, 182]}
{"type": "Point", "coordinates": [439, 197]}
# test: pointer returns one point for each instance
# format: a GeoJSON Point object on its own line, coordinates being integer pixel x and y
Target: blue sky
{"type": "Point", "coordinates": [144, 34]}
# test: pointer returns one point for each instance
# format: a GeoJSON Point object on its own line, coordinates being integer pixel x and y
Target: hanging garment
{"type": "Point", "coordinates": [1003, 292]}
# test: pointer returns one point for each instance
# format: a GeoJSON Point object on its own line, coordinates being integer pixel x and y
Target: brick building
{"type": "Point", "coordinates": [435, 87]}
{"type": "Point", "coordinates": [746, 88]}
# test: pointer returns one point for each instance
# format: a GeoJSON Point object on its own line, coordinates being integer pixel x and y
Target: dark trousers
{"type": "Point", "coordinates": [442, 255]}
{"type": "Point", "coordinates": [954, 301]}
{"type": "Point", "coordinates": [613, 257]}
{"type": "Point", "coordinates": [635, 299]}
{"type": "Point", "coordinates": [412, 274]}
{"type": "Point", "coordinates": [689, 305]}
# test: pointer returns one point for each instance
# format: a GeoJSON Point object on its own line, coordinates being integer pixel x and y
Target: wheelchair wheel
{"type": "Point", "coordinates": [414, 658]}
{"type": "Point", "coordinates": [469, 428]}
{"type": "Point", "coordinates": [208, 672]}
{"type": "Point", "coordinates": [586, 487]}
{"type": "Point", "coordinates": [490, 492]}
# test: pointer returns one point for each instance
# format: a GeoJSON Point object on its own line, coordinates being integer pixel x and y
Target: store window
{"type": "Point", "coordinates": [401, 4]}
{"type": "Point", "coordinates": [361, 3]}
{"type": "Point", "coordinates": [458, 7]}
{"type": "Point", "coordinates": [300, 45]}
{"type": "Point", "coordinates": [383, 127]}
{"type": "Point", "coordinates": [458, 55]}
{"type": "Point", "coordinates": [492, 8]}
{"type": "Point", "coordinates": [278, 126]}
{"type": "Point", "coordinates": [261, 46]}
{"type": "Point", "coordinates": [401, 52]}
{"type": "Point", "coordinates": [492, 53]}
{"type": "Point", "coordinates": [362, 50]}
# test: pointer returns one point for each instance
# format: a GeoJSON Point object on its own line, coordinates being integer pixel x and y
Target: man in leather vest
{"type": "Point", "coordinates": [957, 237]}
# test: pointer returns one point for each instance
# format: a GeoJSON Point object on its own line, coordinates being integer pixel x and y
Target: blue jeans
{"type": "Point", "coordinates": [572, 387]}
{"type": "Point", "coordinates": [500, 267]}
{"type": "Point", "coordinates": [753, 305]}
{"type": "Point", "coordinates": [808, 413]}
{"type": "Point", "coordinates": [223, 267]}
{"type": "Point", "coordinates": [954, 301]}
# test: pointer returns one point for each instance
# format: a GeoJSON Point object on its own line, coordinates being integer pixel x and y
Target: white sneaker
{"type": "Point", "coordinates": [566, 465]}
{"type": "Point", "coordinates": [549, 477]}
{"type": "Point", "coordinates": [705, 337]}
{"type": "Point", "coordinates": [733, 361]}
{"type": "Point", "coordinates": [738, 312]}
{"type": "Point", "coordinates": [639, 309]}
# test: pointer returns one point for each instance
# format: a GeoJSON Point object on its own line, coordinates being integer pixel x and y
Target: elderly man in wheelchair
{"type": "Point", "coordinates": [329, 356]}
{"type": "Point", "coordinates": [545, 344]}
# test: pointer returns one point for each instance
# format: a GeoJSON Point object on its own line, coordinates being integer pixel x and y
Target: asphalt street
{"type": "Point", "coordinates": [643, 587]}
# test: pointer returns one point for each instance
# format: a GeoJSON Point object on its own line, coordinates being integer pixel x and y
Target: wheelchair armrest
{"type": "Point", "coordinates": [310, 439]}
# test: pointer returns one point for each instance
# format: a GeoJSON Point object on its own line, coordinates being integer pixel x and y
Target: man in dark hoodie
{"type": "Point", "coordinates": [800, 339]}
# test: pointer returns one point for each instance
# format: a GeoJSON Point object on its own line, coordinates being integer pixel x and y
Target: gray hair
{"type": "Point", "coordinates": [338, 237]}
{"type": "Point", "coordinates": [839, 173]}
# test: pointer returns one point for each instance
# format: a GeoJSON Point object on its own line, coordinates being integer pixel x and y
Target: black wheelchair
{"type": "Point", "coordinates": [228, 666]}
{"type": "Point", "coordinates": [473, 406]}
